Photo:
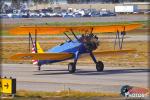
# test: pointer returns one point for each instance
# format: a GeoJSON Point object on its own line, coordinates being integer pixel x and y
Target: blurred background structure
{"type": "Point", "coordinates": [75, 8]}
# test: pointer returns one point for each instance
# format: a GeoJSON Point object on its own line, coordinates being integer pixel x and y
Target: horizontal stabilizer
{"type": "Point", "coordinates": [41, 56]}
{"type": "Point", "coordinates": [82, 29]}
{"type": "Point", "coordinates": [114, 52]}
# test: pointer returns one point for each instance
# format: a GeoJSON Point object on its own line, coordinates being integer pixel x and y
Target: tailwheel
{"type": "Point", "coordinates": [99, 66]}
{"type": "Point", "coordinates": [39, 67]}
{"type": "Point", "coordinates": [71, 67]}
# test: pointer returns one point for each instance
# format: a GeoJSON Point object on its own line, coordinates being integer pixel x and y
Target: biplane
{"type": "Point", "coordinates": [85, 43]}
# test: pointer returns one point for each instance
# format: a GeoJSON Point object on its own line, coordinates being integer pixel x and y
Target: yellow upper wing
{"type": "Point", "coordinates": [41, 56]}
{"type": "Point", "coordinates": [81, 29]}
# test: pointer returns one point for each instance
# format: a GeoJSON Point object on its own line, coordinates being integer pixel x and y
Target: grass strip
{"type": "Point", "coordinates": [66, 93]}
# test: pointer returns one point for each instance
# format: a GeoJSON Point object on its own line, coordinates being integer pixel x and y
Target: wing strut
{"type": "Point", "coordinates": [120, 38]}
{"type": "Point", "coordinates": [123, 33]}
{"type": "Point", "coordinates": [31, 41]}
{"type": "Point", "coordinates": [92, 30]}
{"type": "Point", "coordinates": [74, 34]}
{"type": "Point", "coordinates": [35, 41]}
{"type": "Point", "coordinates": [68, 36]}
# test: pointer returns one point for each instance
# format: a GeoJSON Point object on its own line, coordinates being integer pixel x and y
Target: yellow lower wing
{"type": "Point", "coordinates": [114, 52]}
{"type": "Point", "coordinates": [41, 56]}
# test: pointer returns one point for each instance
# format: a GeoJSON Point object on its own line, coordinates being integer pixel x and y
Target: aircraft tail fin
{"type": "Point", "coordinates": [39, 50]}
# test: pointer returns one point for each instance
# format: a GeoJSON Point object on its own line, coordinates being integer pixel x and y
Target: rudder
{"type": "Point", "coordinates": [39, 50]}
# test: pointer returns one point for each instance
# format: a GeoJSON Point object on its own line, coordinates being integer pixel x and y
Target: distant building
{"type": "Point", "coordinates": [18, 3]}
{"type": "Point", "coordinates": [73, 1]}
{"type": "Point", "coordinates": [104, 1]}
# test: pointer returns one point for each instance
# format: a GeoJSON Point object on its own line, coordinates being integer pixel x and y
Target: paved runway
{"type": "Point", "coordinates": [57, 78]}
{"type": "Point", "coordinates": [118, 18]}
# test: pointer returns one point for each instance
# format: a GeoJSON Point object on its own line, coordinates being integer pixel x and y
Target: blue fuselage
{"type": "Point", "coordinates": [68, 47]}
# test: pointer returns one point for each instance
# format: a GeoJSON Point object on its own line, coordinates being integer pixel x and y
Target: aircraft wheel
{"type": "Point", "coordinates": [39, 67]}
{"type": "Point", "coordinates": [71, 67]}
{"type": "Point", "coordinates": [99, 66]}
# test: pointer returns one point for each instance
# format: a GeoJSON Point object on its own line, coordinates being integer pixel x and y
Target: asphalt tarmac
{"type": "Point", "coordinates": [57, 78]}
{"type": "Point", "coordinates": [118, 18]}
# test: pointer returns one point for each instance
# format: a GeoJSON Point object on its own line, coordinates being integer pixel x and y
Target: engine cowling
{"type": "Point", "coordinates": [90, 41]}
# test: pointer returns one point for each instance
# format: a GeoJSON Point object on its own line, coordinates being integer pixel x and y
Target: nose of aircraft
{"type": "Point", "coordinates": [90, 41]}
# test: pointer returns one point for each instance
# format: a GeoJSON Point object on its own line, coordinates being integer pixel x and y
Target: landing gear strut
{"type": "Point", "coordinates": [71, 67]}
{"type": "Point", "coordinates": [99, 64]}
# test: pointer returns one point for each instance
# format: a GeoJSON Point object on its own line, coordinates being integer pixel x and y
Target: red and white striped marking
{"type": "Point", "coordinates": [35, 62]}
{"type": "Point", "coordinates": [138, 90]}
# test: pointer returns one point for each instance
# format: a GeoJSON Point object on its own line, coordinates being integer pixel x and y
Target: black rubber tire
{"type": "Point", "coordinates": [71, 67]}
{"type": "Point", "coordinates": [39, 67]}
{"type": "Point", "coordinates": [99, 66]}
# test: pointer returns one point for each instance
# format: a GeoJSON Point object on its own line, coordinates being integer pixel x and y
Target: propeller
{"type": "Point", "coordinates": [90, 41]}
